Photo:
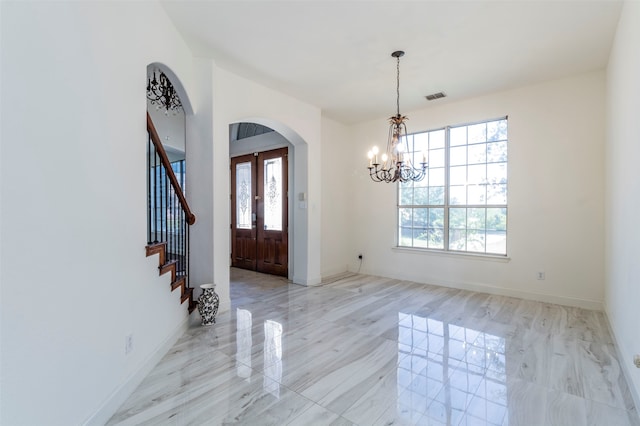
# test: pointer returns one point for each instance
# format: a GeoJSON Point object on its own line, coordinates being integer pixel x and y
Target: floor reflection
{"type": "Point", "coordinates": [272, 351]}
{"type": "Point", "coordinates": [272, 357]}
{"type": "Point", "coordinates": [446, 371]}
{"type": "Point", "coordinates": [243, 344]}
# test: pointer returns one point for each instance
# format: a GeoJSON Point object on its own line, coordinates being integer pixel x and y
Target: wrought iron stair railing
{"type": "Point", "coordinates": [168, 215]}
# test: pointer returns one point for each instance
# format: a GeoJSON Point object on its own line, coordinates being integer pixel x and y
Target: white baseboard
{"type": "Point", "coordinates": [331, 272]}
{"type": "Point", "coordinates": [326, 279]}
{"type": "Point", "coordinates": [501, 291]}
{"type": "Point", "coordinates": [307, 282]}
{"type": "Point", "coordinates": [120, 395]}
{"type": "Point", "coordinates": [540, 297]}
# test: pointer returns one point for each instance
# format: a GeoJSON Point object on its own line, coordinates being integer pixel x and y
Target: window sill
{"type": "Point", "coordinates": [454, 254]}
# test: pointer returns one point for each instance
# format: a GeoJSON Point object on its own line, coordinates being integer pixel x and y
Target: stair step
{"type": "Point", "coordinates": [186, 295]}
{"type": "Point", "coordinates": [159, 249]}
{"type": "Point", "coordinates": [177, 280]}
{"type": "Point", "coordinates": [169, 267]}
{"type": "Point", "coordinates": [180, 281]}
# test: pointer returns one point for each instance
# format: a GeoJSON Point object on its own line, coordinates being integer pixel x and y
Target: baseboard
{"type": "Point", "coordinates": [626, 369]}
{"type": "Point", "coordinates": [501, 291]}
{"type": "Point", "coordinates": [332, 272]}
{"type": "Point", "coordinates": [337, 277]}
{"type": "Point", "coordinates": [120, 395]}
{"type": "Point", "coordinates": [307, 282]}
{"type": "Point", "coordinates": [540, 297]}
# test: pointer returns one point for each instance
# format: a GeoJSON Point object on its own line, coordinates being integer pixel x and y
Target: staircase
{"type": "Point", "coordinates": [177, 280]}
{"type": "Point", "coordinates": [168, 216]}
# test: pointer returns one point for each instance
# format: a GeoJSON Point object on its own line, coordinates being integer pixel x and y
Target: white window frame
{"type": "Point", "coordinates": [447, 202]}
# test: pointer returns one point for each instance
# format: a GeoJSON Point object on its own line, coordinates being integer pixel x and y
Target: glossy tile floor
{"type": "Point", "coordinates": [366, 350]}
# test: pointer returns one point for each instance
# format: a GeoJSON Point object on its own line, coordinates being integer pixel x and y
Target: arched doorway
{"type": "Point", "coordinates": [258, 137]}
{"type": "Point", "coordinates": [168, 213]}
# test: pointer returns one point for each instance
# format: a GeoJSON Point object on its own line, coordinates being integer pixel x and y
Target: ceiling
{"type": "Point", "coordinates": [337, 54]}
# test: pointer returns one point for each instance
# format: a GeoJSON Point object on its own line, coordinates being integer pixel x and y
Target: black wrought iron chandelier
{"type": "Point", "coordinates": [161, 92]}
{"type": "Point", "coordinates": [396, 163]}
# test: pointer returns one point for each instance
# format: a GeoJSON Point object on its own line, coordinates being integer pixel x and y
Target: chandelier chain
{"type": "Point", "coordinates": [398, 85]}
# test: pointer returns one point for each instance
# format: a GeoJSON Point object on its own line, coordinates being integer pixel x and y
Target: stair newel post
{"type": "Point", "coordinates": [149, 147]}
{"type": "Point", "coordinates": [170, 230]}
{"type": "Point", "coordinates": [165, 197]}
{"type": "Point", "coordinates": [187, 250]}
{"type": "Point", "coordinates": [177, 230]}
{"type": "Point", "coordinates": [156, 190]}
{"type": "Point", "coordinates": [182, 225]}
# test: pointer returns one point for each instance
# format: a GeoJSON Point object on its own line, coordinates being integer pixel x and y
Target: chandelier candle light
{"type": "Point", "coordinates": [161, 92]}
{"type": "Point", "coordinates": [396, 164]}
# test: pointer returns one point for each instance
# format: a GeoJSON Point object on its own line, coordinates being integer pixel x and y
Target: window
{"type": "Point", "coordinates": [461, 205]}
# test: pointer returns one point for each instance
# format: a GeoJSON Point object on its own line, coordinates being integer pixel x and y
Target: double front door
{"type": "Point", "coordinates": [259, 212]}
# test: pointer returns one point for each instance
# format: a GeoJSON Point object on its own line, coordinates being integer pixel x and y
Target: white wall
{"type": "Point", "coordinates": [555, 216]}
{"type": "Point", "coordinates": [337, 158]}
{"type": "Point", "coordinates": [623, 191]}
{"type": "Point", "coordinates": [169, 125]}
{"type": "Point", "coordinates": [75, 279]}
{"type": "Point", "coordinates": [200, 176]}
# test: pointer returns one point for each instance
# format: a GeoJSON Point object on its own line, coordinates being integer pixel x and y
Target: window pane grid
{"type": "Point", "coordinates": [461, 205]}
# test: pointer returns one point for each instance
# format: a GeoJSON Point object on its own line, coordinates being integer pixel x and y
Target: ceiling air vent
{"type": "Point", "coordinates": [435, 96]}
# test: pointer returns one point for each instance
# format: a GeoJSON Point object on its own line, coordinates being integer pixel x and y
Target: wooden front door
{"type": "Point", "coordinates": [259, 219]}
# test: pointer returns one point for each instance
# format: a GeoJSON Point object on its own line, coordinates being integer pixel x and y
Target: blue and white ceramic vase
{"type": "Point", "coordinates": [208, 304]}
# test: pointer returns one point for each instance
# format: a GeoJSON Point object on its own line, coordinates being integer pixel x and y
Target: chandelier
{"type": "Point", "coordinates": [396, 163]}
{"type": "Point", "coordinates": [161, 92]}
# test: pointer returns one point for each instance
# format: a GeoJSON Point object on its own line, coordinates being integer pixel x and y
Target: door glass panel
{"type": "Point", "coordinates": [243, 195]}
{"type": "Point", "coordinates": [273, 194]}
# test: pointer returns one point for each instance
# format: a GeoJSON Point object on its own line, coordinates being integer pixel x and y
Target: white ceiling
{"type": "Point", "coordinates": [336, 54]}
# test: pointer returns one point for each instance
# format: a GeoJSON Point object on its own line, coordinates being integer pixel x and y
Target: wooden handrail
{"type": "Point", "coordinates": [191, 218]}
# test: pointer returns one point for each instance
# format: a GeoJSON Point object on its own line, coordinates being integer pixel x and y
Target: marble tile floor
{"type": "Point", "coordinates": [365, 350]}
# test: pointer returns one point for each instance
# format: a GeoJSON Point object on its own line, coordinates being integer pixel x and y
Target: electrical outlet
{"type": "Point", "coordinates": [128, 344]}
{"type": "Point", "coordinates": [636, 360]}
{"type": "Point", "coordinates": [540, 276]}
